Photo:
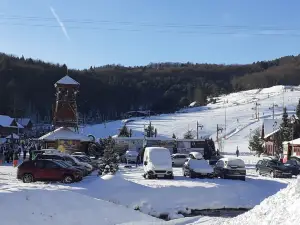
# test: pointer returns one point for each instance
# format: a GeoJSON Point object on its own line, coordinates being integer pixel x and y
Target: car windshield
{"type": "Point", "coordinates": [79, 158]}
{"type": "Point", "coordinates": [62, 164]}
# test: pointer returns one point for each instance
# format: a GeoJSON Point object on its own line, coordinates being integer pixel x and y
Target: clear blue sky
{"type": "Point", "coordinates": [137, 32]}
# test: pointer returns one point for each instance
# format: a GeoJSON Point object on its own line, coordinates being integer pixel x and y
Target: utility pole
{"type": "Point", "coordinates": [256, 110]}
{"type": "Point", "coordinates": [225, 119]}
{"type": "Point", "coordinates": [283, 90]}
{"type": "Point", "coordinates": [198, 125]}
{"type": "Point", "coordinates": [218, 129]}
{"type": "Point", "coordinates": [273, 109]}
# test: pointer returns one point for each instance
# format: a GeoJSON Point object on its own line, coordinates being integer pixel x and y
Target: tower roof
{"type": "Point", "coordinates": [67, 80]}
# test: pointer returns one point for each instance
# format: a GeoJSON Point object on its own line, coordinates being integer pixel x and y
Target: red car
{"type": "Point", "coordinates": [47, 170]}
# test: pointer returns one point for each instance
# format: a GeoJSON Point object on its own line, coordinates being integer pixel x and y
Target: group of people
{"type": "Point", "coordinates": [12, 151]}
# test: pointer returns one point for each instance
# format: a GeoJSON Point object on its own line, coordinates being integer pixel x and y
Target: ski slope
{"type": "Point", "coordinates": [237, 108]}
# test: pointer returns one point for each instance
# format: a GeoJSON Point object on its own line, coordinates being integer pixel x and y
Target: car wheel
{"type": "Point", "coordinates": [27, 178]}
{"type": "Point", "coordinates": [68, 179]}
{"type": "Point", "coordinates": [192, 176]}
{"type": "Point", "coordinates": [272, 174]}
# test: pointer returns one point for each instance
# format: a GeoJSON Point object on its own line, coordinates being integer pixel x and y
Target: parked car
{"type": "Point", "coordinates": [131, 156]}
{"type": "Point", "coordinates": [157, 163]}
{"type": "Point", "coordinates": [78, 153]}
{"type": "Point", "coordinates": [178, 159]}
{"type": "Point", "coordinates": [44, 151]}
{"type": "Point", "coordinates": [258, 164]}
{"type": "Point", "coordinates": [233, 168]}
{"type": "Point", "coordinates": [214, 159]}
{"type": "Point", "coordinates": [84, 158]}
{"type": "Point", "coordinates": [274, 169]}
{"type": "Point", "coordinates": [197, 168]}
{"type": "Point", "coordinates": [195, 155]}
{"type": "Point", "coordinates": [294, 166]}
{"type": "Point", "coordinates": [46, 170]}
{"type": "Point", "coordinates": [66, 164]}
{"type": "Point", "coordinates": [72, 160]}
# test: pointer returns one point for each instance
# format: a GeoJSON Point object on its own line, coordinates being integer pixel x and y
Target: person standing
{"type": "Point", "coordinates": [137, 161]}
{"type": "Point", "coordinates": [1, 154]}
{"type": "Point", "coordinates": [24, 152]}
{"type": "Point", "coordinates": [237, 151]}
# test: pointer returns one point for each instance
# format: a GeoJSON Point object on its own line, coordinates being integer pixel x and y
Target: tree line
{"type": "Point", "coordinates": [107, 92]}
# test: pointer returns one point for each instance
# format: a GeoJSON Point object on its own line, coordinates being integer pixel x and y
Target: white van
{"type": "Point", "coordinates": [157, 163]}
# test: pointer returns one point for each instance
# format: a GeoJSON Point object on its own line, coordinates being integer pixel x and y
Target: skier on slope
{"type": "Point", "coordinates": [237, 151]}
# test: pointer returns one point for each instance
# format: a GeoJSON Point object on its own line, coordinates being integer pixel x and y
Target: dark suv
{"type": "Point", "coordinates": [47, 170]}
{"type": "Point", "coordinates": [274, 169]}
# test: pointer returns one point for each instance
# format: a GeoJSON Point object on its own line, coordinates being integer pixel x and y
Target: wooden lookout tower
{"type": "Point", "coordinates": [65, 111]}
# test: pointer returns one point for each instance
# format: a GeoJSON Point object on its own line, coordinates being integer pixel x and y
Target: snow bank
{"type": "Point", "coordinates": [171, 200]}
{"type": "Point", "coordinates": [48, 207]}
{"type": "Point", "coordinates": [282, 208]}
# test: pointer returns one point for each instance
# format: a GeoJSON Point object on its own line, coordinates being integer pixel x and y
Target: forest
{"type": "Point", "coordinates": [109, 91]}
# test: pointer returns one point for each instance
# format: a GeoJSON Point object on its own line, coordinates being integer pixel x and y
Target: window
{"type": "Point", "coordinates": [51, 165]}
{"type": "Point", "coordinates": [264, 162]}
{"type": "Point", "coordinates": [181, 156]}
{"type": "Point", "coordinates": [39, 164]}
{"type": "Point", "coordinates": [70, 160]}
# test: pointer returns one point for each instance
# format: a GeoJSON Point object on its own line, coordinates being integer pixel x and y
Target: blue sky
{"type": "Point", "coordinates": [137, 32]}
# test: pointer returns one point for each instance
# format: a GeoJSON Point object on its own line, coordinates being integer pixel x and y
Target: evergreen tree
{"type": "Point", "coordinates": [189, 135]}
{"type": "Point", "coordinates": [150, 131]}
{"type": "Point", "coordinates": [298, 110]}
{"type": "Point", "coordinates": [286, 127]}
{"type": "Point", "coordinates": [110, 159]}
{"type": "Point", "coordinates": [124, 132]}
{"type": "Point", "coordinates": [256, 143]}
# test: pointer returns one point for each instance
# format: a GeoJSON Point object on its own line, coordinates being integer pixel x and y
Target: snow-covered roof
{"type": "Point", "coordinates": [193, 104]}
{"type": "Point", "coordinates": [271, 126]}
{"type": "Point", "coordinates": [23, 121]}
{"type": "Point", "coordinates": [294, 142]}
{"type": "Point", "coordinates": [6, 121]}
{"type": "Point", "coordinates": [67, 80]}
{"type": "Point", "coordinates": [15, 136]}
{"type": "Point", "coordinates": [64, 133]}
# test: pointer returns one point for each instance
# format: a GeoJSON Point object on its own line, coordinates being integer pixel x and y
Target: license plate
{"type": "Point", "coordinates": [203, 173]}
{"type": "Point", "coordinates": [160, 175]}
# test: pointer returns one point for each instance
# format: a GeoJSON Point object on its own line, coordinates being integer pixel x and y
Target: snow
{"type": "Point", "coordinates": [271, 126]}
{"type": "Point", "coordinates": [282, 208]}
{"type": "Point", "coordinates": [23, 121]}
{"type": "Point", "coordinates": [32, 204]}
{"type": "Point", "coordinates": [197, 155]}
{"type": "Point", "coordinates": [111, 199]}
{"type": "Point", "coordinates": [64, 133]}
{"type": "Point", "coordinates": [295, 141]}
{"type": "Point", "coordinates": [200, 166]}
{"type": "Point", "coordinates": [240, 122]}
{"type": "Point", "coordinates": [159, 156]}
{"type": "Point", "coordinates": [15, 136]}
{"type": "Point", "coordinates": [234, 162]}
{"type": "Point", "coordinates": [6, 121]}
{"type": "Point", "coordinates": [131, 153]}
{"type": "Point", "coordinates": [67, 80]}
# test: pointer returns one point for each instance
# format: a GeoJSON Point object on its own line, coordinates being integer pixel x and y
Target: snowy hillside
{"type": "Point", "coordinates": [237, 107]}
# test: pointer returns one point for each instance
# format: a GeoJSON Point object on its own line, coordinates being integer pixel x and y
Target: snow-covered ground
{"type": "Point", "coordinates": [48, 204]}
{"type": "Point", "coordinates": [128, 190]}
